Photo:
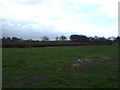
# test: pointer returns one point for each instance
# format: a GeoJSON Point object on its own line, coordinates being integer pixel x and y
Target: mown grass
{"type": "Point", "coordinates": [54, 63]}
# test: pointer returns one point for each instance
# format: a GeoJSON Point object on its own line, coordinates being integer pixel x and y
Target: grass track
{"type": "Point", "coordinates": [50, 67]}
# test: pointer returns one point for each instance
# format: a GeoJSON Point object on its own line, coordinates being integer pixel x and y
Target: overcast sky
{"type": "Point", "coordinates": [36, 18]}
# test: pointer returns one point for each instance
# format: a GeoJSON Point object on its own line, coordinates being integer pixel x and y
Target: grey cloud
{"type": "Point", "coordinates": [11, 28]}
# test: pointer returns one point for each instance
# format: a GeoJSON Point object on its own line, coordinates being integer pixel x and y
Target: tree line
{"type": "Point", "coordinates": [73, 37]}
{"type": "Point", "coordinates": [44, 38]}
{"type": "Point", "coordinates": [74, 40]}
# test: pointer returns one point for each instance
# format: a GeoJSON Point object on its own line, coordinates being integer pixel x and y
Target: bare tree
{"type": "Point", "coordinates": [45, 38]}
{"type": "Point", "coordinates": [57, 38]}
{"type": "Point", "coordinates": [63, 38]}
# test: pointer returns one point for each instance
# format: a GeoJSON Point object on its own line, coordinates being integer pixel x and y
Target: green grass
{"type": "Point", "coordinates": [55, 64]}
{"type": "Point", "coordinates": [0, 68]}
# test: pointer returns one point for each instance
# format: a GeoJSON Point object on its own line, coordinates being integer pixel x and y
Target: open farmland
{"type": "Point", "coordinates": [51, 67]}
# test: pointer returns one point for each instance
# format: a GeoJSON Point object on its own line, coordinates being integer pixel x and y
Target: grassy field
{"type": "Point", "coordinates": [0, 68]}
{"type": "Point", "coordinates": [51, 67]}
